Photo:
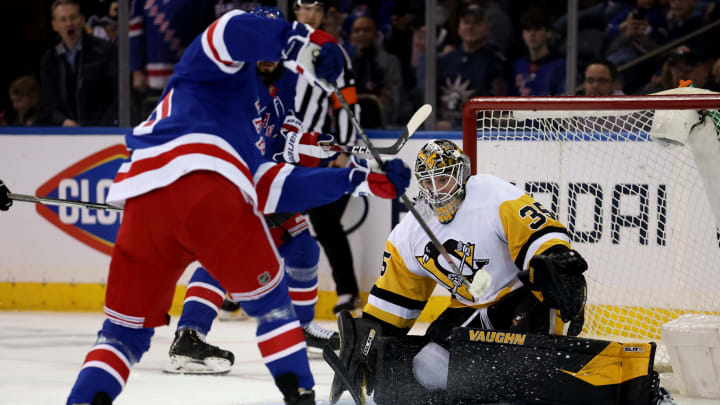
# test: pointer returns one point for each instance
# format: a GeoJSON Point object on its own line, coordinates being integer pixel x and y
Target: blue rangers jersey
{"type": "Point", "coordinates": [205, 121]}
{"type": "Point", "coordinates": [276, 100]}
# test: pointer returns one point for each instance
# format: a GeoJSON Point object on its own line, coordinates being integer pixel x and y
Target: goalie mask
{"type": "Point", "coordinates": [441, 171]}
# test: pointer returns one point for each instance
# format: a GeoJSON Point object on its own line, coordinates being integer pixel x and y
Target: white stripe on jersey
{"type": "Point", "coordinates": [394, 309]}
{"type": "Point", "coordinates": [268, 203]}
{"type": "Point", "coordinates": [185, 162]}
{"type": "Point", "coordinates": [223, 60]}
{"type": "Point", "coordinates": [120, 355]}
{"type": "Point", "coordinates": [278, 331]}
{"type": "Point", "coordinates": [284, 353]}
{"type": "Point", "coordinates": [202, 301]}
{"type": "Point", "coordinates": [107, 368]}
{"type": "Point", "coordinates": [206, 286]}
{"type": "Point", "coordinates": [532, 249]}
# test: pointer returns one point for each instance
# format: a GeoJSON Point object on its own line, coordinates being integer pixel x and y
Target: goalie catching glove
{"type": "Point", "coordinates": [556, 279]}
{"type": "Point", "coordinates": [5, 201]}
{"type": "Point", "coordinates": [367, 177]}
{"type": "Point", "coordinates": [315, 55]}
{"type": "Point", "coordinates": [303, 148]}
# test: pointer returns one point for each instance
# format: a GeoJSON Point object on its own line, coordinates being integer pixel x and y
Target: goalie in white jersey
{"type": "Point", "coordinates": [524, 276]}
{"type": "Point", "coordinates": [491, 229]}
{"type": "Point", "coordinates": [510, 336]}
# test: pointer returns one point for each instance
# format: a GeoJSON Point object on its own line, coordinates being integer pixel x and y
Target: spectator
{"type": "Point", "coordinates": [633, 32]}
{"type": "Point", "coordinates": [501, 29]}
{"type": "Point", "coordinates": [691, 65]}
{"type": "Point", "coordinates": [398, 40]}
{"type": "Point", "coordinates": [683, 18]}
{"type": "Point", "coordinates": [377, 72]}
{"type": "Point", "coordinates": [476, 68]}
{"type": "Point", "coordinates": [159, 33]}
{"type": "Point", "coordinates": [601, 79]}
{"type": "Point", "coordinates": [25, 96]}
{"type": "Point", "coordinates": [78, 75]}
{"type": "Point", "coordinates": [541, 73]}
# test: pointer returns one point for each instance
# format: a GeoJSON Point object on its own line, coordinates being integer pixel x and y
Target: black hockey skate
{"type": "Point", "coordinates": [318, 337]}
{"type": "Point", "coordinates": [190, 354]}
{"type": "Point", "coordinates": [288, 385]}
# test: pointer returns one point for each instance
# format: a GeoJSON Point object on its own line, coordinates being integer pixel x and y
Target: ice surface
{"type": "Point", "coordinates": [41, 354]}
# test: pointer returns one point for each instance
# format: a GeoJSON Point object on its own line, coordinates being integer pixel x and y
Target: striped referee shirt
{"type": "Point", "coordinates": [322, 112]}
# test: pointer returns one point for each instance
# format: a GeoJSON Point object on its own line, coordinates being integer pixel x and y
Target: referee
{"type": "Point", "coordinates": [322, 112]}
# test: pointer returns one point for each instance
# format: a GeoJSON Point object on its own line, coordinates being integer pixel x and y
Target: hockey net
{"type": "Point", "coordinates": [636, 180]}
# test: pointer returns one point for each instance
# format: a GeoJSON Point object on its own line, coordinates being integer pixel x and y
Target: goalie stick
{"type": "Point", "coordinates": [336, 365]}
{"type": "Point", "coordinates": [415, 122]}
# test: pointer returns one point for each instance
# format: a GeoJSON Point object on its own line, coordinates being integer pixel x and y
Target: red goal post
{"type": "Point", "coordinates": [636, 179]}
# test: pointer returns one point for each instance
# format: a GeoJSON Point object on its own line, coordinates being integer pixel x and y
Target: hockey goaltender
{"type": "Point", "coordinates": [511, 336]}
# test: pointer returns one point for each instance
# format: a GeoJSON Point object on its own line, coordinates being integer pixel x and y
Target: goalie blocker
{"type": "Point", "coordinates": [489, 366]}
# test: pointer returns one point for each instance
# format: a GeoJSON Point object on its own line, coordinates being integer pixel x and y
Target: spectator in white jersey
{"type": "Point", "coordinates": [322, 112]}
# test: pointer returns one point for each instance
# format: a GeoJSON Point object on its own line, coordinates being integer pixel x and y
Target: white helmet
{"type": "Point", "coordinates": [441, 171]}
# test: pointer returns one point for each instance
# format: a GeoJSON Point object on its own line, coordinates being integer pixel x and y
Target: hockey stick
{"type": "Point", "coordinates": [54, 201]}
{"type": "Point", "coordinates": [415, 121]}
{"type": "Point", "coordinates": [336, 365]}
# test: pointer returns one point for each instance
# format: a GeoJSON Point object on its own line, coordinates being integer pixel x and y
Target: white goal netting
{"type": "Point", "coordinates": [636, 180]}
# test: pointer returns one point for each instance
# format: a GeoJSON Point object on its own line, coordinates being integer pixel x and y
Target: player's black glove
{"type": "Point", "coordinates": [5, 201]}
{"type": "Point", "coordinates": [557, 277]}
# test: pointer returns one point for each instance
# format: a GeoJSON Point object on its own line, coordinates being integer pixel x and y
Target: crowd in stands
{"type": "Point", "coordinates": [484, 48]}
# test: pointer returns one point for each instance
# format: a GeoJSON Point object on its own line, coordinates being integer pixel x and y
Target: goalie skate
{"type": "Point", "coordinates": [189, 354]}
{"type": "Point", "coordinates": [231, 311]}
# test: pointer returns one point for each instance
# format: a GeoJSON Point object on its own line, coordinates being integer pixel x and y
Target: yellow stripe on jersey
{"type": "Point", "coordinates": [398, 295]}
{"type": "Point", "coordinates": [525, 221]}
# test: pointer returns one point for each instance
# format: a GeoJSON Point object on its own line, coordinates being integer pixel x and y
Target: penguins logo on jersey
{"type": "Point", "coordinates": [466, 263]}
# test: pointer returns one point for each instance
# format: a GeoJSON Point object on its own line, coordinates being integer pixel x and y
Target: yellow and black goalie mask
{"type": "Point", "coordinates": [441, 170]}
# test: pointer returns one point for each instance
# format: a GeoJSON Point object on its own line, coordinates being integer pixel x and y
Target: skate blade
{"type": "Point", "coordinates": [316, 353]}
{"type": "Point", "coordinates": [187, 365]}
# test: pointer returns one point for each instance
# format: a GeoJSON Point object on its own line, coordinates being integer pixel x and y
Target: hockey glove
{"type": "Point", "coordinates": [302, 148]}
{"type": "Point", "coordinates": [367, 178]}
{"type": "Point", "coordinates": [5, 201]}
{"type": "Point", "coordinates": [556, 279]}
{"type": "Point", "coordinates": [315, 55]}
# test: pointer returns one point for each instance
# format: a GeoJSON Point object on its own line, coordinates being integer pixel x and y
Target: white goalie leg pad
{"type": "Point", "coordinates": [430, 367]}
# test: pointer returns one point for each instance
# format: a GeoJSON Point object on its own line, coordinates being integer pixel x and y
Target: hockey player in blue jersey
{"type": "Point", "coordinates": [195, 188]}
{"type": "Point", "coordinates": [283, 140]}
